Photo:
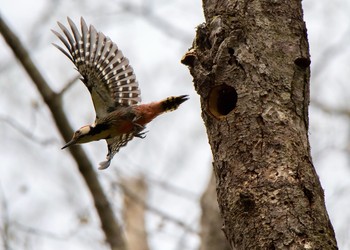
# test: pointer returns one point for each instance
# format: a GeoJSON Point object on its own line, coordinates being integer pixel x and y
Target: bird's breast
{"type": "Point", "coordinates": [123, 120]}
{"type": "Point", "coordinates": [145, 113]}
{"type": "Point", "coordinates": [121, 127]}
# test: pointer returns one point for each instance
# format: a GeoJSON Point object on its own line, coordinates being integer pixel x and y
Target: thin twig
{"type": "Point", "coordinates": [25, 132]}
{"type": "Point", "coordinates": [155, 210]}
{"type": "Point", "coordinates": [330, 110]}
{"type": "Point", "coordinates": [160, 23]}
{"type": "Point", "coordinates": [330, 53]}
{"type": "Point", "coordinates": [155, 181]}
{"type": "Point", "coordinates": [68, 85]}
{"type": "Point", "coordinates": [44, 233]}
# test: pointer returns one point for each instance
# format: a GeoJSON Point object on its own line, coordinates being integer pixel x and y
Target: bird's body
{"type": "Point", "coordinates": [113, 88]}
{"type": "Point", "coordinates": [125, 120]}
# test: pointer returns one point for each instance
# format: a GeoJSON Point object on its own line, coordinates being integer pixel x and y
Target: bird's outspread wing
{"type": "Point", "coordinates": [114, 144]}
{"type": "Point", "coordinates": [105, 71]}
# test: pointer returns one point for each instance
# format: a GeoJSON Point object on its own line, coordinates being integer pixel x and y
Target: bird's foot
{"type": "Point", "coordinates": [138, 128]}
{"type": "Point", "coordinates": [141, 135]}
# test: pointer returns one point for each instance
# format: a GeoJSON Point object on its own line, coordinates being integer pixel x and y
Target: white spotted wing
{"type": "Point", "coordinates": [104, 70]}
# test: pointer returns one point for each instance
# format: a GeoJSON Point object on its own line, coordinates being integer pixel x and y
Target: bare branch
{"type": "Point", "coordinates": [109, 223]}
{"type": "Point", "coordinates": [134, 214]}
{"type": "Point", "coordinates": [25, 132]}
{"type": "Point", "coordinates": [182, 192]}
{"type": "Point", "coordinates": [331, 52]}
{"type": "Point", "coordinates": [5, 219]}
{"type": "Point", "coordinates": [158, 22]}
{"type": "Point", "coordinates": [44, 233]}
{"type": "Point", "coordinates": [212, 237]}
{"type": "Point", "coordinates": [126, 190]}
{"type": "Point", "coordinates": [330, 110]}
{"type": "Point", "coordinates": [51, 7]}
{"type": "Point", "coordinates": [164, 185]}
{"type": "Point", "coordinates": [68, 85]}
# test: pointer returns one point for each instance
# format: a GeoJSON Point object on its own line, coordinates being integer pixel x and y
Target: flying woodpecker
{"type": "Point", "coordinates": [113, 87]}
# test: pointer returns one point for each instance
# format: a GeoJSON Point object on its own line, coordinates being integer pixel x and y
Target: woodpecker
{"type": "Point", "coordinates": [113, 87]}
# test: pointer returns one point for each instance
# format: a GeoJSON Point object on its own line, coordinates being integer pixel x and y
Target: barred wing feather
{"type": "Point", "coordinates": [114, 144]}
{"type": "Point", "coordinates": [104, 70]}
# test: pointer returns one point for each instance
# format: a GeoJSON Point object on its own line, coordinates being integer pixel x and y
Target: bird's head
{"type": "Point", "coordinates": [82, 135]}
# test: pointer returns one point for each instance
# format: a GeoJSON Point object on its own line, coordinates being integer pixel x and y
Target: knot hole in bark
{"type": "Point", "coordinates": [222, 100]}
{"type": "Point", "coordinates": [309, 195]}
{"type": "Point", "coordinates": [189, 58]}
{"type": "Point", "coordinates": [232, 59]}
{"type": "Point", "coordinates": [247, 202]}
{"type": "Point", "coordinates": [302, 62]}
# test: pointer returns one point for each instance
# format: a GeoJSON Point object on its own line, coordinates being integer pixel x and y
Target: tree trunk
{"type": "Point", "coordinates": [250, 64]}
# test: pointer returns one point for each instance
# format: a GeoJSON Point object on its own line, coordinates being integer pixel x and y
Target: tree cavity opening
{"type": "Point", "coordinates": [222, 100]}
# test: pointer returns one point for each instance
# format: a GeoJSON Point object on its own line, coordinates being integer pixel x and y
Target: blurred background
{"type": "Point", "coordinates": [44, 202]}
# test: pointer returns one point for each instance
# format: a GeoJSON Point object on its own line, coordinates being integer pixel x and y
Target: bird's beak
{"type": "Point", "coordinates": [70, 143]}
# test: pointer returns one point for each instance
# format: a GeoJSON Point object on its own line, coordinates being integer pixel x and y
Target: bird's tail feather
{"type": "Point", "coordinates": [173, 102]}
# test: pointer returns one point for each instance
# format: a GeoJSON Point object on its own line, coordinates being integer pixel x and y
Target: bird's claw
{"type": "Point", "coordinates": [141, 135]}
{"type": "Point", "coordinates": [138, 128]}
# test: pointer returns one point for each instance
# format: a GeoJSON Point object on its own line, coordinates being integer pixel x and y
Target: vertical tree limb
{"type": "Point", "coordinates": [134, 214]}
{"type": "Point", "coordinates": [109, 224]}
{"type": "Point", "coordinates": [212, 237]}
{"type": "Point", "coordinates": [250, 64]}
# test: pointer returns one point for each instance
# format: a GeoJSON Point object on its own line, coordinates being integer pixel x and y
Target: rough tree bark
{"type": "Point", "coordinates": [109, 224]}
{"type": "Point", "coordinates": [250, 63]}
